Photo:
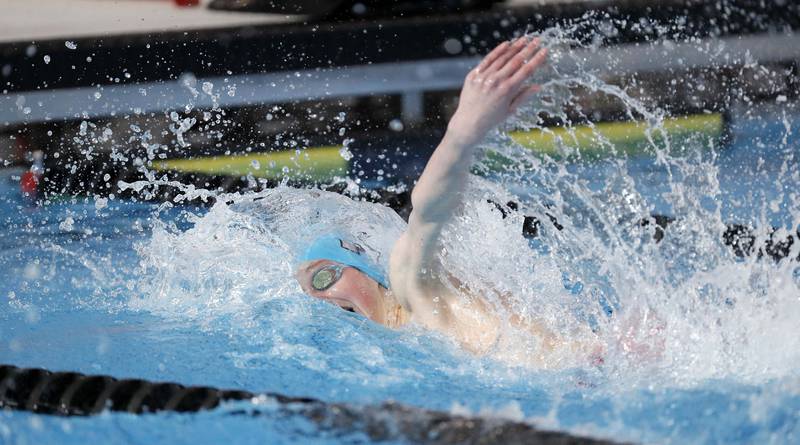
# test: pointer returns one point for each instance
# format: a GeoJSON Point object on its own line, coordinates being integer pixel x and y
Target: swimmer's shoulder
{"type": "Point", "coordinates": [435, 299]}
{"type": "Point", "coordinates": [415, 282]}
{"type": "Point", "coordinates": [404, 270]}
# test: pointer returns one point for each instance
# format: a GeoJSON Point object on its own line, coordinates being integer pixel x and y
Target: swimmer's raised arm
{"type": "Point", "coordinates": [491, 93]}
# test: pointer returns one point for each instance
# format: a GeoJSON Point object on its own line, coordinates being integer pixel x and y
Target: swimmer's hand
{"type": "Point", "coordinates": [495, 89]}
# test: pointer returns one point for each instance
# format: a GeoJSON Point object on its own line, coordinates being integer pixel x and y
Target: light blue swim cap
{"type": "Point", "coordinates": [334, 248]}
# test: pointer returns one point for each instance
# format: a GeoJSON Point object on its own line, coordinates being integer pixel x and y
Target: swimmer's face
{"type": "Point", "coordinates": [353, 291]}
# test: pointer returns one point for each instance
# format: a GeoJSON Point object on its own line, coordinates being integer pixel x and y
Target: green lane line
{"type": "Point", "coordinates": [314, 164]}
{"type": "Point", "coordinates": [326, 163]}
{"type": "Point", "coordinates": [626, 137]}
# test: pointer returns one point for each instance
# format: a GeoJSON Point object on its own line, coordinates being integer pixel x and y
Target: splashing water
{"type": "Point", "coordinates": [244, 251]}
{"type": "Point", "coordinates": [679, 311]}
{"type": "Point", "coordinates": [709, 312]}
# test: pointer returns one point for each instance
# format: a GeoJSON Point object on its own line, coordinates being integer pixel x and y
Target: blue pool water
{"type": "Point", "coordinates": [205, 297]}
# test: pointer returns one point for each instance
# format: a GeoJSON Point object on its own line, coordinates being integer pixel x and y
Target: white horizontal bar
{"type": "Point", "coordinates": [402, 77]}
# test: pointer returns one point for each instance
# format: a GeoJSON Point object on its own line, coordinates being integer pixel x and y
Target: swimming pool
{"type": "Point", "coordinates": [205, 297]}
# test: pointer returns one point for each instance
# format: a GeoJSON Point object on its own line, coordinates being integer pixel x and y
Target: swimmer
{"type": "Point", "coordinates": [417, 289]}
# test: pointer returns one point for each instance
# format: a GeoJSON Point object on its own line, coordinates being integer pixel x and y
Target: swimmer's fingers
{"type": "Point", "coordinates": [523, 96]}
{"type": "Point", "coordinates": [524, 72]}
{"type": "Point", "coordinates": [519, 60]}
{"type": "Point", "coordinates": [492, 56]}
{"type": "Point", "coordinates": [493, 68]}
{"type": "Point", "coordinates": [491, 88]}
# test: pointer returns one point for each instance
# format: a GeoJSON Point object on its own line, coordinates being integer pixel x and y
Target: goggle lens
{"type": "Point", "coordinates": [326, 277]}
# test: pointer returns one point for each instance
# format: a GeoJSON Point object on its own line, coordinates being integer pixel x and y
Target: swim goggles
{"type": "Point", "coordinates": [346, 253]}
{"type": "Point", "coordinates": [326, 276]}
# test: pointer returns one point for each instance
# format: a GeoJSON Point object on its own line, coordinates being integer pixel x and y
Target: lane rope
{"type": "Point", "coordinates": [74, 394]}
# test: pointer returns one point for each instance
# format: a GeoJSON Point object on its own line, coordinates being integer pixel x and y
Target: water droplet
{"type": "Point", "coordinates": [345, 153]}
{"type": "Point", "coordinates": [453, 46]}
{"type": "Point", "coordinates": [46, 59]}
{"type": "Point", "coordinates": [100, 203]}
{"type": "Point", "coordinates": [67, 225]}
{"type": "Point", "coordinates": [359, 8]}
{"type": "Point", "coordinates": [396, 125]}
{"type": "Point", "coordinates": [70, 44]}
